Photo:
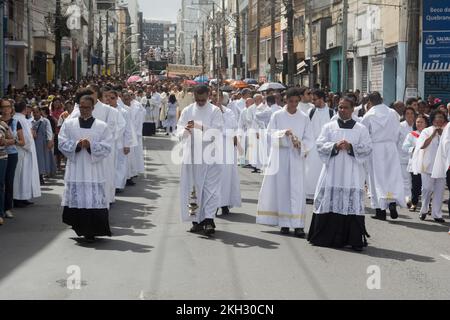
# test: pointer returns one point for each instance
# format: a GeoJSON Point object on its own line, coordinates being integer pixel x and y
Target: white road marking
{"type": "Point", "coordinates": [141, 295]}
{"type": "Point", "coordinates": [445, 257]}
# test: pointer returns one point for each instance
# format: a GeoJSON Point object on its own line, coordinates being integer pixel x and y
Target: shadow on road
{"type": "Point", "coordinates": [395, 255]}
{"type": "Point", "coordinates": [114, 245]}
{"type": "Point", "coordinates": [426, 226]}
{"type": "Point", "coordinates": [238, 217]}
{"type": "Point", "coordinates": [241, 241]}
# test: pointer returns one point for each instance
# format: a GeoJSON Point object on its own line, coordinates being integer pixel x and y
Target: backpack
{"type": "Point", "coordinates": [313, 111]}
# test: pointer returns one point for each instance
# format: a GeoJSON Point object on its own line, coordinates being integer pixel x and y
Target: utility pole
{"type": "Point", "coordinates": [310, 30]}
{"type": "Point", "coordinates": [90, 37]}
{"type": "Point", "coordinates": [99, 46]}
{"type": "Point", "coordinates": [238, 42]}
{"type": "Point", "coordinates": [258, 36]}
{"type": "Point", "coordinates": [224, 40]}
{"type": "Point", "coordinates": [29, 22]}
{"type": "Point", "coordinates": [272, 42]}
{"type": "Point", "coordinates": [412, 67]}
{"type": "Point", "coordinates": [203, 49]}
{"type": "Point", "coordinates": [107, 44]}
{"type": "Point", "coordinates": [2, 50]}
{"type": "Point", "coordinates": [58, 38]}
{"type": "Point", "coordinates": [290, 41]}
{"type": "Point", "coordinates": [213, 39]}
{"type": "Point", "coordinates": [344, 47]}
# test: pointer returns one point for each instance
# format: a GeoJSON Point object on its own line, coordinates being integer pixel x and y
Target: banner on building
{"type": "Point", "coordinates": [184, 70]}
{"type": "Point", "coordinates": [436, 36]}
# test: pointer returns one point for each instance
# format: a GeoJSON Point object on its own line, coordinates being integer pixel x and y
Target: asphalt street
{"type": "Point", "coordinates": [152, 256]}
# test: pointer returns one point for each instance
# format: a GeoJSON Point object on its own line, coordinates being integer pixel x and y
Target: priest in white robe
{"type": "Point", "coordinates": [115, 122]}
{"type": "Point", "coordinates": [230, 193]}
{"type": "Point", "coordinates": [26, 179]}
{"type": "Point", "coordinates": [343, 146]}
{"type": "Point", "coordinates": [385, 176]}
{"type": "Point", "coordinates": [86, 142]}
{"type": "Point", "coordinates": [200, 131]}
{"type": "Point", "coordinates": [320, 115]}
{"type": "Point", "coordinates": [281, 201]}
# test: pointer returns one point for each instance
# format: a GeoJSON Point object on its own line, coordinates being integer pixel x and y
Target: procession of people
{"type": "Point", "coordinates": [312, 147]}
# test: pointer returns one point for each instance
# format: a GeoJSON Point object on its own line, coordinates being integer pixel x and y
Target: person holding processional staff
{"type": "Point", "coordinates": [200, 180]}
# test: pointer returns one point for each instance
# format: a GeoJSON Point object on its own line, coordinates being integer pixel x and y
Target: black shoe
{"type": "Point", "coordinates": [380, 215]}
{"type": "Point", "coordinates": [247, 166]}
{"type": "Point", "coordinates": [300, 233]}
{"type": "Point", "coordinates": [393, 211]}
{"type": "Point", "coordinates": [19, 204]}
{"type": "Point", "coordinates": [309, 201]}
{"type": "Point", "coordinates": [130, 183]}
{"type": "Point", "coordinates": [284, 230]}
{"type": "Point", "coordinates": [423, 216]}
{"type": "Point", "coordinates": [357, 248]}
{"type": "Point", "coordinates": [440, 220]}
{"type": "Point", "coordinates": [225, 210]}
{"type": "Point", "coordinates": [118, 191]}
{"type": "Point", "coordinates": [90, 239]}
{"type": "Point", "coordinates": [256, 171]}
{"type": "Point", "coordinates": [210, 227]}
{"type": "Point", "coordinates": [196, 227]}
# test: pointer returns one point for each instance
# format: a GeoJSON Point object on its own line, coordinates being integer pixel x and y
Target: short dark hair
{"type": "Point", "coordinates": [82, 92]}
{"type": "Point", "coordinates": [303, 90]}
{"type": "Point", "coordinates": [201, 89]}
{"type": "Point", "coordinates": [410, 101]}
{"type": "Point", "coordinates": [292, 92]}
{"type": "Point", "coordinates": [320, 94]}
{"type": "Point", "coordinates": [87, 98]}
{"type": "Point", "coordinates": [434, 114]}
{"type": "Point", "coordinates": [349, 99]}
{"type": "Point", "coordinates": [411, 109]}
{"type": "Point", "coordinates": [20, 106]}
{"type": "Point", "coordinates": [94, 87]}
{"type": "Point", "coordinates": [375, 98]}
{"type": "Point", "coordinates": [271, 100]}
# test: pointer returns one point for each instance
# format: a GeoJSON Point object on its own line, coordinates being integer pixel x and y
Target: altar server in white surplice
{"type": "Point", "coordinates": [385, 176]}
{"type": "Point", "coordinates": [282, 200]}
{"type": "Point", "coordinates": [344, 146]}
{"type": "Point", "coordinates": [230, 194]}
{"type": "Point", "coordinates": [320, 115]}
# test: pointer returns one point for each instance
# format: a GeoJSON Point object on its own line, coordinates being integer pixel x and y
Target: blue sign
{"type": "Point", "coordinates": [436, 35]}
{"type": "Point", "coordinates": [436, 50]}
{"type": "Point", "coordinates": [436, 15]}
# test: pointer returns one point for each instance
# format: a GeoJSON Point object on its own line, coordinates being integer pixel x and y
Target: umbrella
{"type": "Point", "coordinates": [250, 81]}
{"type": "Point", "coordinates": [134, 79]}
{"type": "Point", "coordinates": [201, 79]}
{"type": "Point", "coordinates": [190, 83]}
{"type": "Point", "coordinates": [271, 86]}
{"type": "Point", "coordinates": [239, 84]}
{"type": "Point", "coordinates": [227, 89]}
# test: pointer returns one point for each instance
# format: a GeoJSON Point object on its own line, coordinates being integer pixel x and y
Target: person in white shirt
{"type": "Point", "coordinates": [305, 104]}
{"type": "Point", "coordinates": [423, 163]}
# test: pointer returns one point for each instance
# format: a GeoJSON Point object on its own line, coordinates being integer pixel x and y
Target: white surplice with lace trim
{"type": "Point", "coordinates": [341, 183]}
{"type": "Point", "coordinates": [85, 177]}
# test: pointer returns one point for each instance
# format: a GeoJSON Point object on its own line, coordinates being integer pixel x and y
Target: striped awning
{"type": "Point", "coordinates": [436, 66]}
